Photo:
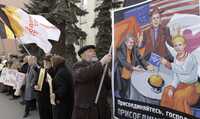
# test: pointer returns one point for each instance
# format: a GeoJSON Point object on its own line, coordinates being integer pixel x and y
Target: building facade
{"type": "Point", "coordinates": [85, 22]}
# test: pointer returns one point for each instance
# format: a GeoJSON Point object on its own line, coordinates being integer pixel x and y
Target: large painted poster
{"type": "Point", "coordinates": [156, 64]}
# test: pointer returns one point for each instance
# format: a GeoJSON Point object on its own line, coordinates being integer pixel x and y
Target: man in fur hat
{"type": "Point", "coordinates": [87, 77]}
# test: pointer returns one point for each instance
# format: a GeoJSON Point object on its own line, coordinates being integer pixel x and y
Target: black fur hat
{"type": "Point", "coordinates": [84, 48]}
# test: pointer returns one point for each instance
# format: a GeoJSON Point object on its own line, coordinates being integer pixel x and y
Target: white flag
{"type": "Point", "coordinates": [36, 29]}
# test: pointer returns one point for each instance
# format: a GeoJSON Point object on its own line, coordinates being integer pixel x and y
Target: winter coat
{"type": "Point", "coordinates": [64, 93]}
{"type": "Point", "coordinates": [87, 78]}
{"type": "Point", "coordinates": [31, 77]}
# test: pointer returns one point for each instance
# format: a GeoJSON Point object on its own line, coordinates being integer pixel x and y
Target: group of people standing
{"type": "Point", "coordinates": [73, 91]}
{"type": "Point", "coordinates": [61, 92]}
{"type": "Point", "coordinates": [61, 85]}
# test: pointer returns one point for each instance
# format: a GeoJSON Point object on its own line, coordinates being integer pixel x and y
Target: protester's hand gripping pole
{"type": "Point", "coordinates": [102, 79]}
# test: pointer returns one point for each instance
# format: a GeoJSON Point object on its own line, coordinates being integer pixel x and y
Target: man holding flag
{"type": "Point", "coordinates": [87, 77]}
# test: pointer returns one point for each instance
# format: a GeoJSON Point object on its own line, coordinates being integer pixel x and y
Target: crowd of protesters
{"type": "Point", "coordinates": [66, 92]}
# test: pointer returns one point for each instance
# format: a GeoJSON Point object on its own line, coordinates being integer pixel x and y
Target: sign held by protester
{"type": "Point", "coordinates": [13, 78]}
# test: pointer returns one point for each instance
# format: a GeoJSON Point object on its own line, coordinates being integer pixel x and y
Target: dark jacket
{"type": "Point", "coordinates": [24, 68]}
{"type": "Point", "coordinates": [121, 62]}
{"type": "Point", "coordinates": [87, 78]}
{"type": "Point", "coordinates": [43, 97]}
{"type": "Point", "coordinates": [63, 89]}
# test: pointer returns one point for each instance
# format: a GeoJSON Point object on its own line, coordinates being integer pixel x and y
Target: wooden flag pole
{"type": "Point", "coordinates": [20, 42]}
{"type": "Point", "coordinates": [102, 80]}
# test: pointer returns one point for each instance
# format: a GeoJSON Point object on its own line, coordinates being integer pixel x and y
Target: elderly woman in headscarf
{"type": "Point", "coordinates": [62, 89]}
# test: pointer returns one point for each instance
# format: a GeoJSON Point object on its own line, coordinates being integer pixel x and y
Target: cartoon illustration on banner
{"type": "Point", "coordinates": [157, 60]}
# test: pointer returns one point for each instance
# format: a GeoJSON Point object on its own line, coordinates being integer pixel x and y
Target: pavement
{"type": "Point", "coordinates": [12, 109]}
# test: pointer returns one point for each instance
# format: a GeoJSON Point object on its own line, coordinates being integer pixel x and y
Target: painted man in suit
{"type": "Point", "coordinates": [154, 38]}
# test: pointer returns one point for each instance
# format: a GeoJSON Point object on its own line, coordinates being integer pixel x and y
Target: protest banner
{"type": "Point", "coordinates": [3, 75]}
{"type": "Point", "coordinates": [13, 78]}
{"type": "Point", "coordinates": [149, 81]}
